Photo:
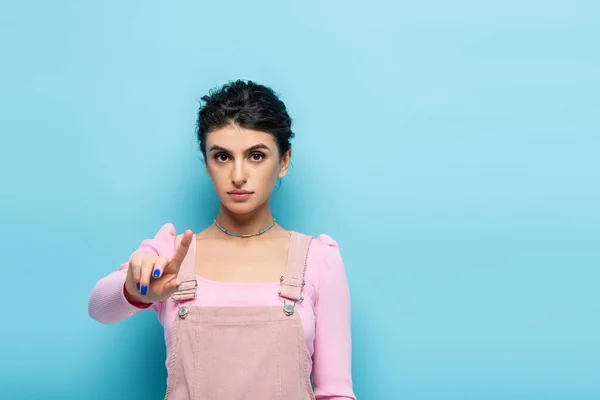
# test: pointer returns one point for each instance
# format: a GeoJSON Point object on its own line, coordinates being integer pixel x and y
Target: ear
{"type": "Point", "coordinates": [285, 164]}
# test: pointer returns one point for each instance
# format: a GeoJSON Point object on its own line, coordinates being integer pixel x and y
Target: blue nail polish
{"type": "Point", "coordinates": [156, 273]}
{"type": "Point", "coordinates": [138, 286]}
{"type": "Point", "coordinates": [144, 290]}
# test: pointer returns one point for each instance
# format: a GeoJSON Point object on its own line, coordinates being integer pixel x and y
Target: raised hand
{"type": "Point", "coordinates": [152, 278]}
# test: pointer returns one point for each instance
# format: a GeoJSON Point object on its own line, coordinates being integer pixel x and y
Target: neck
{"type": "Point", "coordinates": [244, 224]}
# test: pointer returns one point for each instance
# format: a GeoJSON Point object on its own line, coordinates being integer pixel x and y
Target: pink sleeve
{"type": "Point", "coordinates": [107, 303]}
{"type": "Point", "coordinates": [332, 358]}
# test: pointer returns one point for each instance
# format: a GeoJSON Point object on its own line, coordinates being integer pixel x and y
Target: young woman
{"type": "Point", "coordinates": [250, 310]}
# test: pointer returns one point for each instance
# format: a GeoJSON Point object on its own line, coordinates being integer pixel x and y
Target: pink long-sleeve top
{"type": "Point", "coordinates": [325, 311]}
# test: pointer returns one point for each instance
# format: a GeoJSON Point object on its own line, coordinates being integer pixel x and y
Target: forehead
{"type": "Point", "coordinates": [237, 138]}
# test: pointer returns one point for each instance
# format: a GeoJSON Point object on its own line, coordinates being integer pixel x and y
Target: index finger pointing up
{"type": "Point", "coordinates": [180, 253]}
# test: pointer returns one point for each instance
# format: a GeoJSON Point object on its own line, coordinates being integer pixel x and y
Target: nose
{"type": "Point", "coordinates": [238, 173]}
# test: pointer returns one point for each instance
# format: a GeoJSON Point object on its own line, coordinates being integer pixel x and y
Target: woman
{"type": "Point", "coordinates": [250, 310]}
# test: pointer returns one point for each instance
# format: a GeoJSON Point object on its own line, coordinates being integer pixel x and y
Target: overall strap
{"type": "Point", "coordinates": [187, 273]}
{"type": "Point", "coordinates": [292, 282]}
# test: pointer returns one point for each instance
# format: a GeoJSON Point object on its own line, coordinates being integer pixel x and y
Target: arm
{"type": "Point", "coordinates": [332, 358]}
{"type": "Point", "coordinates": [108, 302]}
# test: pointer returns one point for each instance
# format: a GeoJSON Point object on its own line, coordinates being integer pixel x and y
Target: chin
{"type": "Point", "coordinates": [240, 207]}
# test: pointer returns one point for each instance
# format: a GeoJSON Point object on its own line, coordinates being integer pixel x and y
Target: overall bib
{"type": "Point", "coordinates": [241, 352]}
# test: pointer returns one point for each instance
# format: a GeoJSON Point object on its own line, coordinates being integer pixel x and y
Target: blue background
{"type": "Point", "coordinates": [451, 148]}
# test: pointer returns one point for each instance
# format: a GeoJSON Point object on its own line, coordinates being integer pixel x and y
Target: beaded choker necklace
{"type": "Point", "coordinates": [247, 235]}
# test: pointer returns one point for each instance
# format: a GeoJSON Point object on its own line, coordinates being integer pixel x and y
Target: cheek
{"type": "Point", "coordinates": [264, 178]}
{"type": "Point", "coordinates": [273, 174]}
{"type": "Point", "coordinates": [216, 175]}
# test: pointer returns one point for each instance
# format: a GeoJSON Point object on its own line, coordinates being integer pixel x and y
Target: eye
{"type": "Point", "coordinates": [257, 156]}
{"type": "Point", "coordinates": [221, 157]}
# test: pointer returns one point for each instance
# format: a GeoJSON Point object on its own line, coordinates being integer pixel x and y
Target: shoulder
{"type": "Point", "coordinates": [324, 266]}
{"type": "Point", "coordinates": [324, 252]}
{"type": "Point", "coordinates": [325, 246]}
{"type": "Point", "coordinates": [162, 243]}
{"type": "Point", "coordinates": [166, 233]}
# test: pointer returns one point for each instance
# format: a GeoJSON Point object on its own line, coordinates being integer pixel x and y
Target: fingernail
{"type": "Point", "coordinates": [156, 273]}
{"type": "Point", "coordinates": [144, 290]}
{"type": "Point", "coordinates": [138, 286]}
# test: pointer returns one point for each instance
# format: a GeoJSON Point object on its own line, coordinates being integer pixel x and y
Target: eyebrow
{"type": "Point", "coordinates": [248, 150]}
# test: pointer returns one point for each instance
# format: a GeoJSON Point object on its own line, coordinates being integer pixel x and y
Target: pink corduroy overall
{"type": "Point", "coordinates": [241, 352]}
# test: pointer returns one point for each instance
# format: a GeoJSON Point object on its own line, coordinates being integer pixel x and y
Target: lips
{"type": "Point", "coordinates": [240, 195]}
{"type": "Point", "coordinates": [239, 192]}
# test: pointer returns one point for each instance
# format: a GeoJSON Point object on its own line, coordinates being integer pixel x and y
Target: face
{"type": "Point", "coordinates": [244, 166]}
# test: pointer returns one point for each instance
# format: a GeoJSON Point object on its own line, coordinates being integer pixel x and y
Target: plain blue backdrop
{"type": "Point", "coordinates": [451, 148]}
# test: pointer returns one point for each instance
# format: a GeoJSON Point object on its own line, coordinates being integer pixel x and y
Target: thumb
{"type": "Point", "coordinates": [172, 286]}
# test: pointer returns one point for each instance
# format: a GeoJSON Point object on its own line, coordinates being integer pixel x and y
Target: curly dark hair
{"type": "Point", "coordinates": [248, 105]}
